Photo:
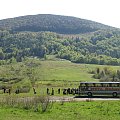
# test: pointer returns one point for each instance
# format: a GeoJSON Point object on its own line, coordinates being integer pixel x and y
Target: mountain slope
{"type": "Point", "coordinates": [53, 23]}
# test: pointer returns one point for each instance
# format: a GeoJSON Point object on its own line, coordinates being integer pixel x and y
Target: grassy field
{"type": "Point", "coordinates": [51, 74]}
{"type": "Point", "coordinates": [94, 110]}
{"type": "Point", "coordinates": [65, 70]}
{"type": "Point", "coordinates": [54, 74]}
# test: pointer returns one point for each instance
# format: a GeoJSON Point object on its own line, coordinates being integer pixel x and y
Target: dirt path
{"type": "Point", "coordinates": [64, 98]}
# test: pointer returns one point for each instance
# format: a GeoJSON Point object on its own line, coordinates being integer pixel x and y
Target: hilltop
{"type": "Point", "coordinates": [53, 23]}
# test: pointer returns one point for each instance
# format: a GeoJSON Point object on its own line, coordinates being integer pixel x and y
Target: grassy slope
{"type": "Point", "coordinates": [57, 70]}
{"type": "Point", "coordinates": [96, 110]}
{"type": "Point", "coordinates": [64, 70]}
{"type": "Point", "coordinates": [59, 73]}
{"type": "Point", "coordinates": [64, 74]}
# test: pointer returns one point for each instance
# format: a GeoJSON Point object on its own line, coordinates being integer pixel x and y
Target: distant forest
{"type": "Point", "coordinates": [52, 23]}
{"type": "Point", "coordinates": [81, 41]}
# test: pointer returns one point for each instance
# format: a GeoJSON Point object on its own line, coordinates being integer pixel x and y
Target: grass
{"type": "Point", "coordinates": [94, 110]}
{"type": "Point", "coordinates": [56, 74]}
{"type": "Point", "coordinates": [51, 73]}
{"type": "Point", "coordinates": [54, 70]}
{"type": "Point", "coordinates": [63, 70]}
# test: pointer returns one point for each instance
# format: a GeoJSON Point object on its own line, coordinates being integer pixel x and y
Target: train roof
{"type": "Point", "coordinates": [100, 82]}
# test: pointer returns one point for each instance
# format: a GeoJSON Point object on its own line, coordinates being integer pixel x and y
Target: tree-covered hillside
{"type": "Point", "coordinates": [81, 41]}
{"type": "Point", "coordinates": [100, 47]}
{"type": "Point", "coordinates": [53, 23]}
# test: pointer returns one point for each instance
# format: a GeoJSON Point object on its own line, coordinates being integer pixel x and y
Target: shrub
{"type": "Point", "coordinates": [25, 90]}
{"type": "Point", "coordinates": [97, 76]}
{"type": "Point", "coordinates": [37, 103]}
{"type": "Point", "coordinates": [45, 102]}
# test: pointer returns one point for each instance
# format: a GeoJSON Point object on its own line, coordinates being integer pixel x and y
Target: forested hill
{"type": "Point", "coordinates": [53, 23]}
{"type": "Point", "coordinates": [81, 41]}
{"type": "Point", "coordinates": [101, 47]}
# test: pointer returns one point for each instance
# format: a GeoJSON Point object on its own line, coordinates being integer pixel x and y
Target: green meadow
{"type": "Point", "coordinates": [53, 74]}
{"type": "Point", "coordinates": [47, 74]}
{"type": "Point", "coordinates": [65, 70]}
{"type": "Point", "coordinates": [94, 110]}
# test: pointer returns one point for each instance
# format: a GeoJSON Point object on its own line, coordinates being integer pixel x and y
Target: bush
{"type": "Point", "coordinates": [97, 76]}
{"type": "Point", "coordinates": [25, 90]}
{"type": "Point", "coordinates": [45, 103]}
{"type": "Point", "coordinates": [105, 79]}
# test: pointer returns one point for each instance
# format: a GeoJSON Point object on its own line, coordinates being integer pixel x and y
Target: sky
{"type": "Point", "coordinates": [103, 11]}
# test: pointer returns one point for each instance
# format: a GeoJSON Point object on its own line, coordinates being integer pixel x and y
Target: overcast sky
{"type": "Point", "coordinates": [103, 11]}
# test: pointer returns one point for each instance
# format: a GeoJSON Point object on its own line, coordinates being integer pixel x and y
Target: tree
{"type": "Point", "coordinates": [2, 55]}
{"type": "Point", "coordinates": [98, 70]}
{"type": "Point", "coordinates": [118, 74]}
